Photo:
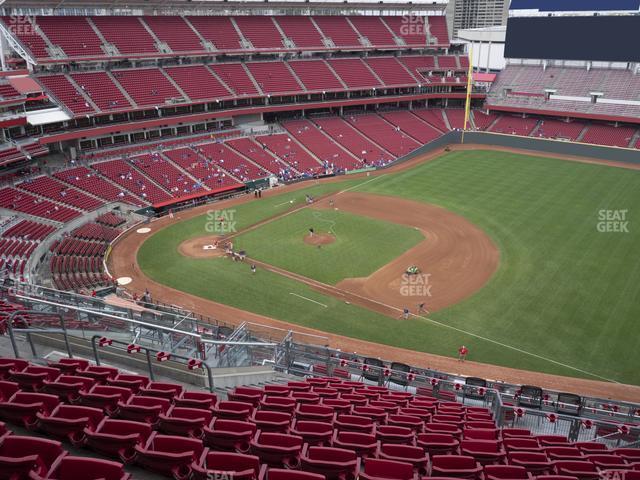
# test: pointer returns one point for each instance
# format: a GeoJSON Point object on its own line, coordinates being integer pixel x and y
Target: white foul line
{"type": "Point", "coordinates": [308, 299]}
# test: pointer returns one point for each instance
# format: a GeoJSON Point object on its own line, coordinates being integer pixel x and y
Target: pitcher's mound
{"type": "Point", "coordinates": [319, 239]}
{"type": "Point", "coordinates": [202, 247]}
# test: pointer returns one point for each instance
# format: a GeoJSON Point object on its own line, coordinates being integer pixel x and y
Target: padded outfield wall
{"type": "Point", "coordinates": [557, 147]}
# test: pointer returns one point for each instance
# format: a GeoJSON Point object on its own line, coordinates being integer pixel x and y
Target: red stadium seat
{"type": "Point", "coordinates": [522, 444]}
{"type": "Point", "coordinates": [271, 421]}
{"type": "Point", "coordinates": [246, 395]}
{"type": "Point", "coordinates": [604, 461]}
{"type": "Point", "coordinates": [486, 452]}
{"type": "Point", "coordinates": [333, 463]}
{"type": "Point", "coordinates": [105, 397]}
{"type": "Point", "coordinates": [192, 399]}
{"type": "Point", "coordinates": [82, 468]}
{"type": "Point", "coordinates": [364, 444]}
{"type": "Point", "coordinates": [161, 389]}
{"type": "Point", "coordinates": [376, 469]}
{"type": "Point", "coordinates": [69, 366]}
{"type": "Point", "coordinates": [229, 435]}
{"type": "Point", "coordinates": [143, 409]}
{"type": "Point", "coordinates": [278, 403]}
{"type": "Point", "coordinates": [631, 455]}
{"type": "Point", "coordinates": [118, 438]}
{"type": "Point", "coordinates": [20, 456]}
{"type": "Point", "coordinates": [277, 449]}
{"type": "Point", "coordinates": [7, 389]}
{"type": "Point", "coordinates": [313, 433]}
{"type": "Point", "coordinates": [536, 463]}
{"type": "Point", "coordinates": [68, 387]}
{"type": "Point", "coordinates": [22, 408]}
{"type": "Point", "coordinates": [169, 455]}
{"type": "Point", "coordinates": [32, 378]}
{"type": "Point", "coordinates": [416, 456]}
{"type": "Point", "coordinates": [583, 470]}
{"type": "Point", "coordinates": [9, 364]}
{"type": "Point", "coordinates": [70, 421]}
{"type": "Point", "coordinates": [267, 473]}
{"type": "Point", "coordinates": [226, 465]}
{"type": "Point", "coordinates": [233, 410]}
{"type": "Point", "coordinates": [184, 421]}
{"type": "Point", "coordinates": [481, 434]}
{"type": "Point", "coordinates": [515, 432]}
{"type": "Point", "coordinates": [99, 373]}
{"type": "Point", "coordinates": [563, 453]}
{"type": "Point", "coordinates": [394, 434]}
{"type": "Point", "coordinates": [505, 472]}
{"type": "Point", "coordinates": [438, 443]}
{"type": "Point", "coordinates": [354, 423]}
{"type": "Point", "coordinates": [455, 466]}
{"type": "Point", "coordinates": [591, 447]}
{"type": "Point", "coordinates": [316, 413]}
{"type": "Point", "coordinates": [130, 381]}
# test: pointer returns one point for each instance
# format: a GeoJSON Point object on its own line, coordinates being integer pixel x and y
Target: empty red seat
{"type": "Point", "coordinates": [438, 443]}
{"type": "Point", "coordinates": [7, 389]}
{"type": "Point", "coordinates": [552, 440]}
{"type": "Point", "coordinates": [515, 432]}
{"type": "Point", "coordinates": [537, 463]}
{"type": "Point", "coordinates": [591, 447]}
{"type": "Point", "coordinates": [448, 428]}
{"type": "Point", "coordinates": [355, 399]}
{"type": "Point", "coordinates": [100, 373]}
{"type": "Point", "coordinates": [522, 444]}
{"type": "Point", "coordinates": [169, 455]}
{"type": "Point", "coordinates": [278, 403]}
{"type": "Point", "coordinates": [299, 386]}
{"type": "Point", "coordinates": [481, 434]}
{"type": "Point", "coordinates": [9, 364]}
{"type": "Point", "coordinates": [162, 390]}
{"type": "Point", "coordinates": [184, 421]}
{"type": "Point", "coordinates": [229, 435]}
{"type": "Point", "coordinates": [233, 410]}
{"type": "Point", "coordinates": [460, 466]}
{"type": "Point", "coordinates": [70, 421]}
{"type": "Point", "coordinates": [394, 434]}
{"type": "Point", "coordinates": [338, 405]}
{"type": "Point", "coordinates": [605, 461]}
{"type": "Point", "coordinates": [378, 415]}
{"type": "Point", "coordinates": [484, 451]}
{"type": "Point", "coordinates": [423, 413]}
{"type": "Point", "coordinates": [246, 395]}
{"type": "Point", "coordinates": [196, 400]}
{"type": "Point", "coordinates": [631, 455]}
{"type": "Point", "coordinates": [378, 469]}
{"type": "Point", "coordinates": [327, 392]}
{"type": "Point", "coordinates": [305, 397]}
{"type": "Point", "coordinates": [505, 472]}
{"type": "Point", "coordinates": [333, 463]}
{"type": "Point", "coordinates": [237, 466]}
{"type": "Point", "coordinates": [33, 377]}
{"type": "Point", "coordinates": [69, 366]}
{"type": "Point", "coordinates": [22, 408]}
{"type": "Point", "coordinates": [68, 387]}
{"type": "Point", "coordinates": [277, 449]}
{"type": "Point", "coordinates": [118, 438]}
{"type": "Point", "coordinates": [130, 381]}
{"type": "Point", "coordinates": [582, 469]}
{"type": "Point", "coordinates": [483, 424]}
{"type": "Point", "coordinates": [267, 473]}
{"type": "Point", "coordinates": [20, 456]}
{"type": "Point", "coordinates": [563, 453]}
{"type": "Point", "coordinates": [403, 420]}
{"type": "Point", "coordinates": [105, 397]}
{"type": "Point", "coordinates": [416, 456]}
{"type": "Point", "coordinates": [354, 423]}
{"type": "Point", "coordinates": [277, 390]}
{"type": "Point", "coordinates": [271, 421]}
{"type": "Point", "coordinates": [318, 413]}
{"type": "Point", "coordinates": [364, 444]}
{"type": "Point", "coordinates": [313, 433]}
{"type": "Point", "coordinates": [83, 468]}
{"type": "Point", "coordinates": [143, 409]}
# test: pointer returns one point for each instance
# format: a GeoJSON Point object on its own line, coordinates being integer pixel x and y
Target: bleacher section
{"type": "Point", "coordinates": [391, 138]}
{"type": "Point", "coordinates": [291, 152]}
{"type": "Point", "coordinates": [526, 88]}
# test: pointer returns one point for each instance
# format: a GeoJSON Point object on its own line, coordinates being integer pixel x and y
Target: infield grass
{"type": "Point", "coordinates": [564, 299]}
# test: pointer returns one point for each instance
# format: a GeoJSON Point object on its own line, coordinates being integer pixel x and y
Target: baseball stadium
{"type": "Point", "coordinates": [319, 240]}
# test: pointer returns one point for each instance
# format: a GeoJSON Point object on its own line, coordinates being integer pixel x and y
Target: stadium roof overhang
{"type": "Point", "coordinates": [186, 6]}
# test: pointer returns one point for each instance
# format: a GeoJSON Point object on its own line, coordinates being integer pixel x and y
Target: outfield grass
{"type": "Point", "coordinates": [564, 291]}
{"type": "Point", "coordinates": [362, 245]}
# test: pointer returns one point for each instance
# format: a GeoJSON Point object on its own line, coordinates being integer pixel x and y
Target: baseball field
{"type": "Point", "coordinates": [532, 263]}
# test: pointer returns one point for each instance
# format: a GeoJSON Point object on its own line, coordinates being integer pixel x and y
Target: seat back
{"type": "Point", "coordinates": [389, 469]}
{"type": "Point", "coordinates": [72, 468]}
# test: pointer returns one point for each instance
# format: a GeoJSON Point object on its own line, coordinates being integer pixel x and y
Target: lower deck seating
{"type": "Point", "coordinates": [514, 125]}
{"type": "Point", "coordinates": [609, 135]}
{"type": "Point", "coordinates": [384, 134]}
{"type": "Point", "coordinates": [412, 126]}
{"type": "Point", "coordinates": [290, 152]}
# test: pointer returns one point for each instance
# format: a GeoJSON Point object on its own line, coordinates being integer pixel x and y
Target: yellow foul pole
{"type": "Point", "coordinates": [467, 106]}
